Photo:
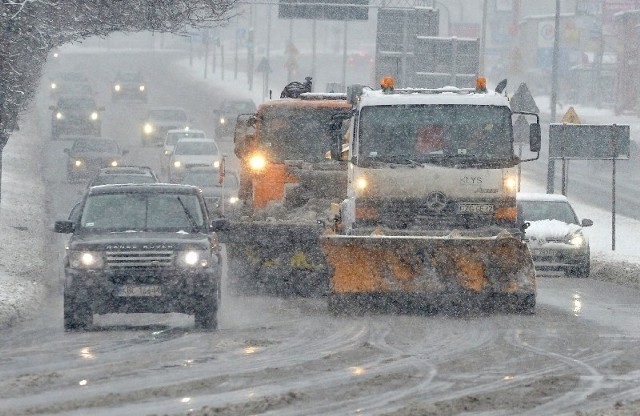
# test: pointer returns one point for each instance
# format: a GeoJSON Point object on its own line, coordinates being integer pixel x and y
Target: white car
{"type": "Point", "coordinates": [172, 138]}
{"type": "Point", "coordinates": [554, 234]}
{"type": "Point", "coordinates": [190, 153]}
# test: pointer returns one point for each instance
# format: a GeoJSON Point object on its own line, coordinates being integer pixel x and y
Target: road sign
{"type": "Point", "coordinates": [588, 141]}
{"type": "Point", "coordinates": [571, 117]}
{"type": "Point", "coordinates": [324, 9]}
{"type": "Point", "coordinates": [522, 100]}
{"type": "Point", "coordinates": [263, 66]}
{"type": "Point", "coordinates": [521, 130]}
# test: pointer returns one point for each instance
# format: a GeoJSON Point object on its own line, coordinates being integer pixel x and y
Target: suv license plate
{"type": "Point", "coordinates": [475, 208]}
{"type": "Point", "coordinates": [139, 291]}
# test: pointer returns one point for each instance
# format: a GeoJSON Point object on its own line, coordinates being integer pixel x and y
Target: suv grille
{"type": "Point", "coordinates": [139, 258]}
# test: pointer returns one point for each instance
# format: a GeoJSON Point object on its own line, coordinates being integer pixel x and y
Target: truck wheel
{"type": "Point", "coordinates": [206, 316]}
{"type": "Point", "coordinates": [527, 305]}
{"type": "Point", "coordinates": [77, 316]}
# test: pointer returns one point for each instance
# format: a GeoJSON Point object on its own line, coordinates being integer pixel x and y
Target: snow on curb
{"type": "Point", "coordinates": [23, 230]}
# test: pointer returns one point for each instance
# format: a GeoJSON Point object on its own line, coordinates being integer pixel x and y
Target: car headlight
{"type": "Point", "coordinates": [362, 183]}
{"type": "Point", "coordinates": [54, 86]}
{"type": "Point", "coordinates": [94, 116]}
{"type": "Point", "coordinates": [88, 260]}
{"type": "Point", "coordinates": [117, 87]}
{"type": "Point", "coordinates": [577, 239]}
{"type": "Point", "coordinates": [222, 120]}
{"type": "Point", "coordinates": [233, 199]}
{"type": "Point", "coordinates": [141, 88]}
{"type": "Point", "coordinates": [177, 164]}
{"type": "Point", "coordinates": [216, 164]}
{"type": "Point", "coordinates": [114, 163]}
{"type": "Point", "coordinates": [148, 128]}
{"type": "Point", "coordinates": [167, 153]}
{"type": "Point", "coordinates": [193, 258]}
{"type": "Point", "coordinates": [77, 163]}
{"type": "Point", "coordinates": [59, 115]}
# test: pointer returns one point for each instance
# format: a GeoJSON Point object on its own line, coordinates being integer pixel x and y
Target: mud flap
{"type": "Point", "coordinates": [276, 259]}
{"type": "Point", "coordinates": [431, 272]}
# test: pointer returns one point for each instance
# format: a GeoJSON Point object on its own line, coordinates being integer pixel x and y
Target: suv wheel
{"type": "Point", "coordinates": [76, 315]}
{"type": "Point", "coordinates": [206, 316]}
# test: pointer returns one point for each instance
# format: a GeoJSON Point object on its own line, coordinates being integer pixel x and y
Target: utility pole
{"type": "Point", "coordinates": [551, 164]}
{"type": "Point", "coordinates": [483, 39]}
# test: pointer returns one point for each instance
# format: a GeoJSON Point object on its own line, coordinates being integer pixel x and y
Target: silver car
{"type": "Point", "coordinates": [170, 143]}
{"type": "Point", "coordinates": [554, 234]}
{"type": "Point", "coordinates": [190, 153]}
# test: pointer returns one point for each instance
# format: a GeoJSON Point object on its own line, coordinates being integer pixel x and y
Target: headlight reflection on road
{"type": "Point", "coordinates": [357, 371]}
{"type": "Point", "coordinates": [250, 350]}
{"type": "Point", "coordinates": [83, 382]}
{"type": "Point", "coordinates": [577, 304]}
{"type": "Point", "coordinates": [87, 354]}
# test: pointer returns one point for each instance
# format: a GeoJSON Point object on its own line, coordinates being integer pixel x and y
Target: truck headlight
{"type": "Point", "coordinates": [233, 199]}
{"type": "Point", "coordinates": [88, 260]}
{"type": "Point", "coordinates": [94, 116]}
{"type": "Point", "coordinates": [59, 115]}
{"type": "Point", "coordinates": [116, 87]}
{"type": "Point", "coordinates": [362, 183]}
{"type": "Point", "coordinates": [193, 258]}
{"type": "Point", "coordinates": [148, 128]}
{"type": "Point", "coordinates": [510, 183]}
{"type": "Point", "coordinates": [257, 162]}
{"type": "Point", "coordinates": [77, 163]}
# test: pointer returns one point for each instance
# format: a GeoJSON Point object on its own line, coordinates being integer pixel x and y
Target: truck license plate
{"type": "Point", "coordinates": [475, 208]}
{"type": "Point", "coordinates": [139, 291]}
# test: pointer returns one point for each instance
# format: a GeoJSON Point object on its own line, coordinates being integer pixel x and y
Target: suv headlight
{"type": "Point", "coordinates": [193, 258]}
{"type": "Point", "coordinates": [116, 87]}
{"type": "Point", "coordinates": [59, 115]}
{"type": "Point", "coordinates": [94, 115]}
{"type": "Point", "coordinates": [148, 128]}
{"type": "Point", "coordinates": [87, 260]}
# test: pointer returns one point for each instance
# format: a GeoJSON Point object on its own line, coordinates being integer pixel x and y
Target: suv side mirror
{"type": "Point", "coordinates": [220, 224]}
{"type": "Point", "coordinates": [63, 227]}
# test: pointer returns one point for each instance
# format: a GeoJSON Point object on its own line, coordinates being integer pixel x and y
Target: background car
{"type": "Point", "coordinates": [87, 155]}
{"type": "Point", "coordinates": [190, 153]}
{"type": "Point", "coordinates": [554, 235]}
{"type": "Point", "coordinates": [60, 82]}
{"type": "Point", "coordinates": [129, 84]}
{"type": "Point", "coordinates": [79, 115]}
{"type": "Point", "coordinates": [170, 142]}
{"type": "Point", "coordinates": [159, 120]}
{"type": "Point", "coordinates": [221, 196]}
{"type": "Point", "coordinates": [226, 115]}
{"type": "Point", "coordinates": [124, 174]}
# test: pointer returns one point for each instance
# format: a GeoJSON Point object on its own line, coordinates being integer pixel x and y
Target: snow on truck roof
{"type": "Point", "coordinates": [446, 95]}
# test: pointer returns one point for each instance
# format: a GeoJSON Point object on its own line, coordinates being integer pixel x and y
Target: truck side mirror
{"type": "Point", "coordinates": [535, 137]}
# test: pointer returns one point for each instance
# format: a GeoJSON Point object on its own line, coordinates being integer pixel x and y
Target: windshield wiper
{"type": "Point", "coordinates": [192, 221]}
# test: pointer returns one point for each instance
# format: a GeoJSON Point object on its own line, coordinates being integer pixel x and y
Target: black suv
{"type": "Point", "coordinates": [79, 115]}
{"type": "Point", "coordinates": [141, 248]}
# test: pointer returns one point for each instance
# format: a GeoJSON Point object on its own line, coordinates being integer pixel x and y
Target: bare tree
{"type": "Point", "coordinates": [29, 29]}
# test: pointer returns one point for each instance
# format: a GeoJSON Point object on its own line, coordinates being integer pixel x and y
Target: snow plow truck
{"type": "Point", "coordinates": [288, 181]}
{"type": "Point", "coordinates": [429, 221]}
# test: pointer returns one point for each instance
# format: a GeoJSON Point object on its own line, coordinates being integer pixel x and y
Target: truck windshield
{"type": "Point", "coordinates": [141, 212]}
{"type": "Point", "coordinates": [296, 133]}
{"type": "Point", "coordinates": [426, 133]}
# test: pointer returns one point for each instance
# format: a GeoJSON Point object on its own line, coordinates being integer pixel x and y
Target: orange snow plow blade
{"type": "Point", "coordinates": [430, 272]}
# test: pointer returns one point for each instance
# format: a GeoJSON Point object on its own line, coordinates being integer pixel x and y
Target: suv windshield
{"type": "Point", "coordinates": [141, 212]}
{"type": "Point", "coordinates": [95, 145]}
{"type": "Point", "coordinates": [77, 102]}
{"type": "Point", "coordinates": [175, 115]}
